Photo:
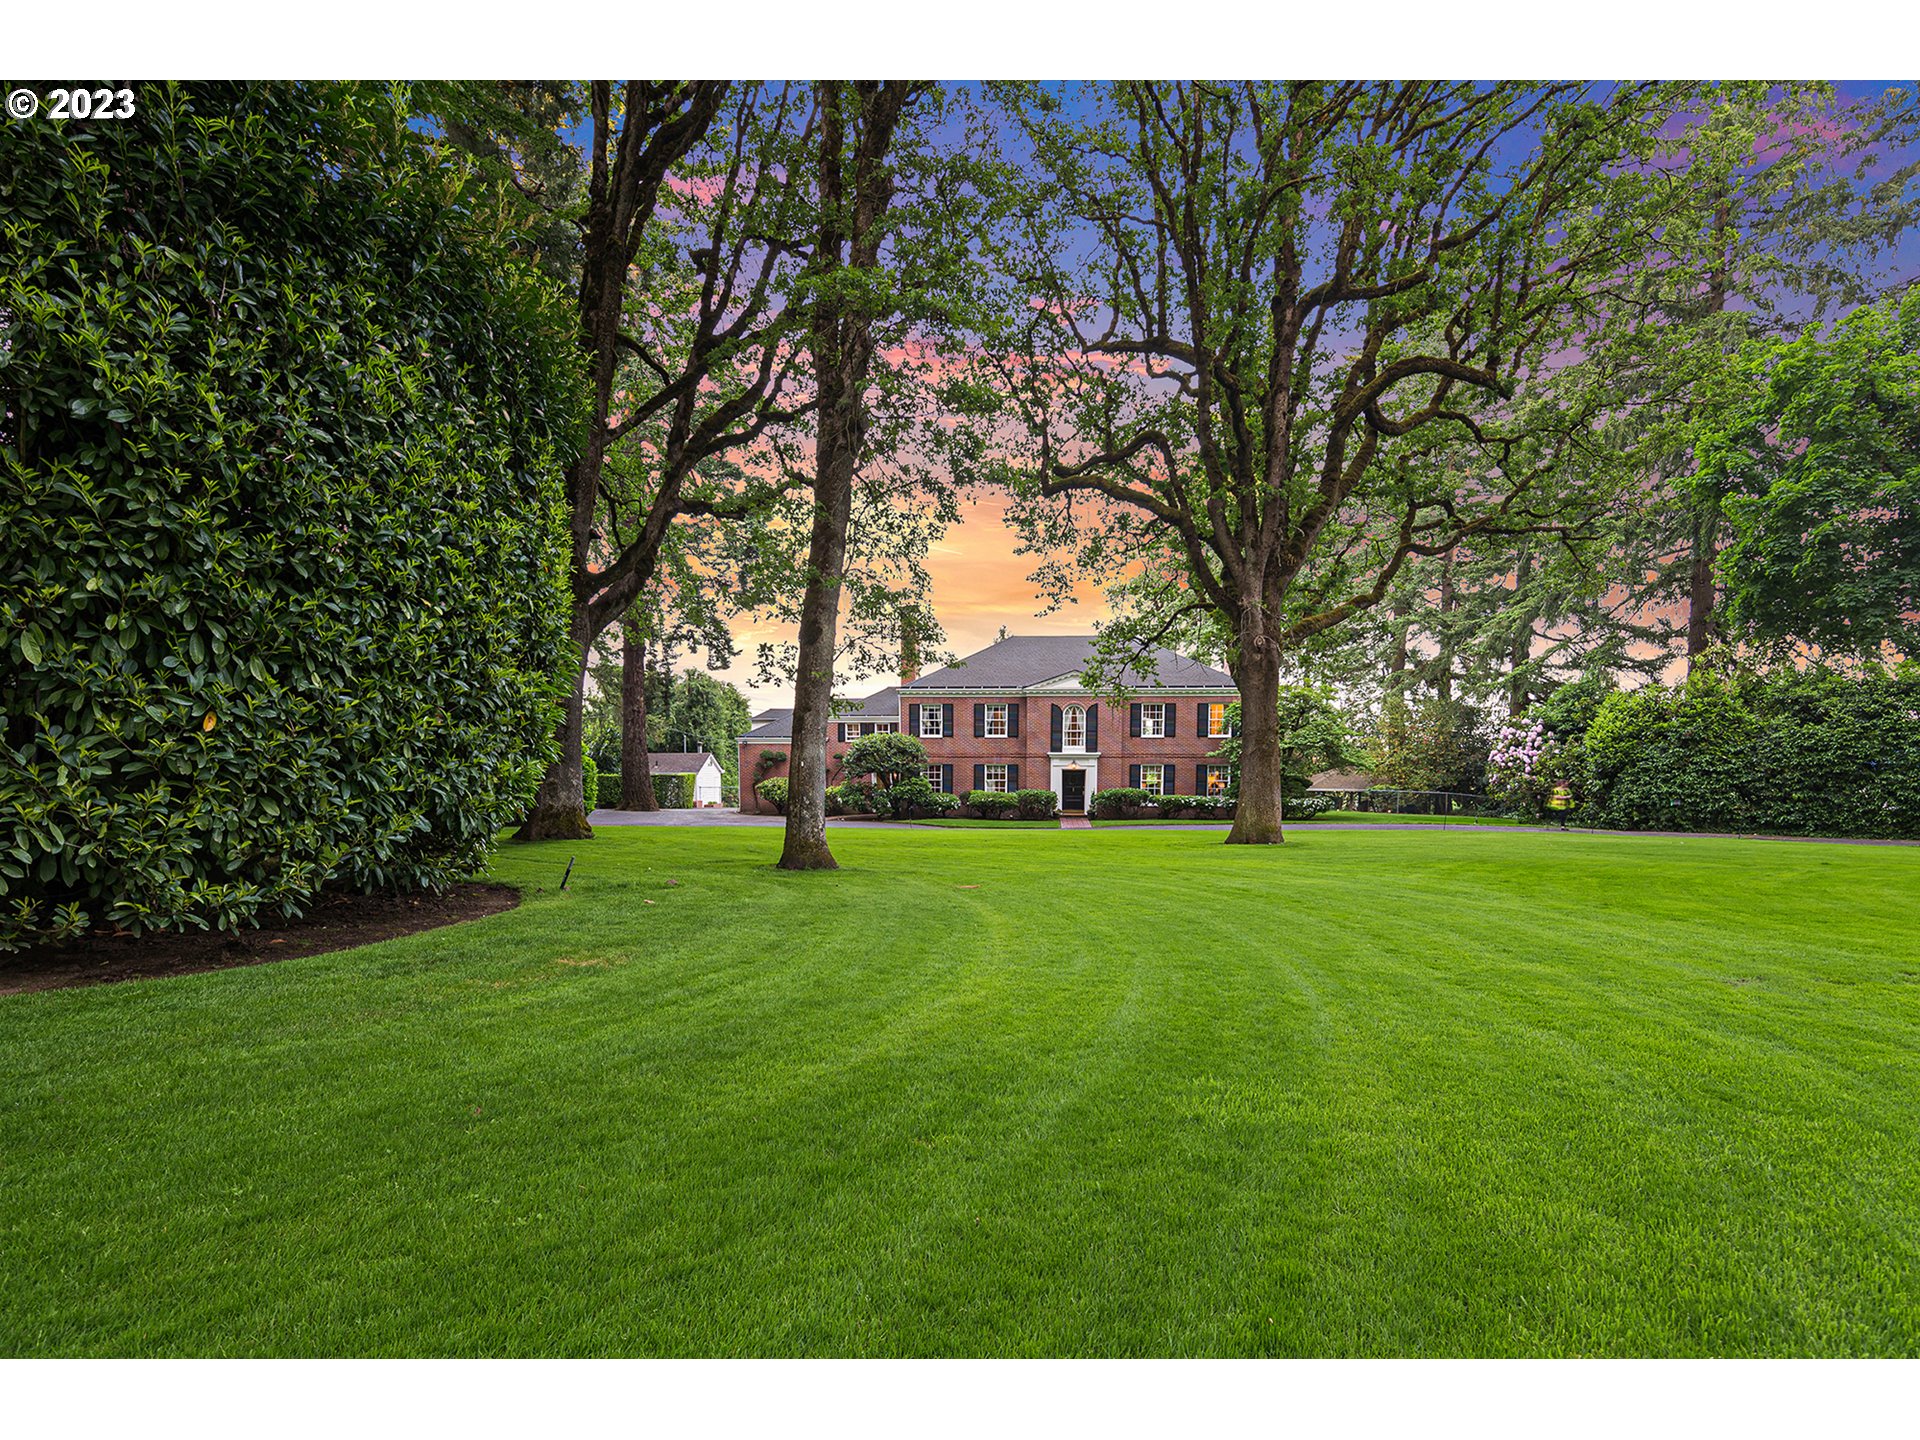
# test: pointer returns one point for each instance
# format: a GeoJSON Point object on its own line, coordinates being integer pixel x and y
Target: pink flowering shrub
{"type": "Point", "coordinates": [1525, 764]}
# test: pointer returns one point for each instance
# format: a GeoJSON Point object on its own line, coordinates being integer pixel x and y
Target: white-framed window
{"type": "Point", "coordinates": [1217, 718]}
{"type": "Point", "coordinates": [930, 726]}
{"type": "Point", "coordinates": [996, 722]}
{"type": "Point", "coordinates": [996, 777]}
{"type": "Point", "coordinates": [1153, 779]}
{"type": "Point", "coordinates": [937, 776]}
{"type": "Point", "coordinates": [1219, 777]}
{"type": "Point", "coordinates": [1153, 721]}
{"type": "Point", "coordinates": [885, 727]}
{"type": "Point", "coordinates": [1073, 729]}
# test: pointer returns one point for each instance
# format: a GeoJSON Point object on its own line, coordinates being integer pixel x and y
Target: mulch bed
{"type": "Point", "coordinates": [338, 922]}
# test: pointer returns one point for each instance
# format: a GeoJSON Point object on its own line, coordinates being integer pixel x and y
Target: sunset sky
{"type": "Point", "coordinates": [980, 583]}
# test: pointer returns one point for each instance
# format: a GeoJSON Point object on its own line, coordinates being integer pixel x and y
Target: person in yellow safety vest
{"type": "Point", "coordinates": [1562, 800]}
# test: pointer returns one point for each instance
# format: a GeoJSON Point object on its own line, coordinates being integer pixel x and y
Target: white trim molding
{"type": "Point", "coordinates": [1088, 764]}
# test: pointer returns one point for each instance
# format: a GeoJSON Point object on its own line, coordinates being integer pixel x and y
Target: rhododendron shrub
{"type": "Point", "coordinates": [281, 552]}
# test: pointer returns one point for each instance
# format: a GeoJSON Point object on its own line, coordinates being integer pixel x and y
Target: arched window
{"type": "Point", "coordinates": [1074, 729]}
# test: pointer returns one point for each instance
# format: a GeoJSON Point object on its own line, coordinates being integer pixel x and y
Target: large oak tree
{"type": "Point", "coordinates": [688, 243]}
{"type": "Point", "coordinates": [1280, 339]}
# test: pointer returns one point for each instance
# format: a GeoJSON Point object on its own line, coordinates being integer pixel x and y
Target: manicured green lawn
{"type": "Point", "coordinates": [1333, 817]}
{"type": "Point", "coordinates": [1123, 1093]}
{"type": "Point", "coordinates": [959, 824]}
{"type": "Point", "coordinates": [1362, 817]}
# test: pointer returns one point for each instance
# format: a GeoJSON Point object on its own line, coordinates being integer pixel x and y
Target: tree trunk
{"type": "Point", "coordinates": [841, 342]}
{"type": "Point", "coordinates": [636, 776]}
{"type": "Point", "coordinates": [559, 811]}
{"type": "Point", "coordinates": [1256, 671]}
{"type": "Point", "coordinates": [1518, 690]}
{"type": "Point", "coordinates": [1394, 702]}
{"type": "Point", "coordinates": [806, 839]}
{"type": "Point", "coordinates": [1703, 624]}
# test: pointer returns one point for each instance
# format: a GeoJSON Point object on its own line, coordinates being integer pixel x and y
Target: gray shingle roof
{"type": "Point", "coordinates": [881, 705]}
{"type": "Point", "coordinates": [678, 762]}
{"type": "Point", "coordinates": [778, 724]}
{"type": "Point", "coordinates": [1023, 660]}
{"type": "Point", "coordinates": [774, 725]}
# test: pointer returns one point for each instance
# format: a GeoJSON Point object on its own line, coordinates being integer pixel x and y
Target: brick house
{"type": "Point", "coordinates": [772, 735]}
{"type": "Point", "coordinates": [1018, 716]}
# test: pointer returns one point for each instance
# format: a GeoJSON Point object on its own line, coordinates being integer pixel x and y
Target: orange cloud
{"type": "Point", "coordinates": [979, 584]}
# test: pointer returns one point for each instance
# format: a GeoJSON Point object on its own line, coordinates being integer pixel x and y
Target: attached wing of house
{"type": "Point", "coordinates": [1018, 715]}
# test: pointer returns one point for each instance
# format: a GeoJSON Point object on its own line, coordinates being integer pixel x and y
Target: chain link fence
{"type": "Point", "coordinates": [1443, 805]}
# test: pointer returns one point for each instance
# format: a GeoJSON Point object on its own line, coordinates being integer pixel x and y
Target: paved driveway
{"type": "Point", "coordinates": [714, 815]}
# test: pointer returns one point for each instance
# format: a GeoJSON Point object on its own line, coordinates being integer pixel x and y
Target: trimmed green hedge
{"type": "Point", "coordinates": [673, 792]}
{"type": "Point", "coordinates": [282, 536]}
{"type": "Point", "coordinates": [1791, 753]}
{"type": "Point", "coordinates": [1209, 807]}
{"type": "Point", "coordinates": [993, 805]}
{"type": "Point", "coordinates": [854, 797]}
{"type": "Point", "coordinates": [1120, 803]}
{"type": "Point", "coordinates": [1037, 804]}
{"type": "Point", "coordinates": [1132, 803]}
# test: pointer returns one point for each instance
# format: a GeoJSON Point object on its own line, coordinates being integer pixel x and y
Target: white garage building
{"type": "Point", "coordinates": [704, 769]}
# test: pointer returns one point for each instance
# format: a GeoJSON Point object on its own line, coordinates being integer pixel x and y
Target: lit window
{"type": "Point", "coordinates": [1073, 730]}
{"type": "Point", "coordinates": [1151, 779]}
{"type": "Point", "coordinates": [997, 722]}
{"type": "Point", "coordinates": [1153, 721]}
{"type": "Point", "coordinates": [930, 725]}
{"type": "Point", "coordinates": [937, 776]}
{"type": "Point", "coordinates": [1217, 719]}
{"type": "Point", "coordinates": [1219, 777]}
{"type": "Point", "coordinates": [997, 779]}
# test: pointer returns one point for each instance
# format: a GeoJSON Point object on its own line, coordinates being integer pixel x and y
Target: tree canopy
{"type": "Point", "coordinates": [1819, 455]}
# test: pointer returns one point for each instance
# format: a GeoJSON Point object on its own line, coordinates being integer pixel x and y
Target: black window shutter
{"type": "Point", "coordinates": [979, 777]}
{"type": "Point", "coordinates": [1133, 777]}
{"type": "Point", "coordinates": [1013, 777]}
{"type": "Point", "coordinates": [946, 721]}
{"type": "Point", "coordinates": [1133, 720]}
{"type": "Point", "coordinates": [1056, 727]}
{"type": "Point", "coordinates": [1093, 727]}
{"type": "Point", "coordinates": [1200, 725]}
{"type": "Point", "coordinates": [1200, 780]}
{"type": "Point", "coordinates": [1013, 719]}
{"type": "Point", "coordinates": [1170, 710]}
{"type": "Point", "coordinates": [913, 719]}
{"type": "Point", "coordinates": [946, 778]}
{"type": "Point", "coordinates": [979, 721]}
